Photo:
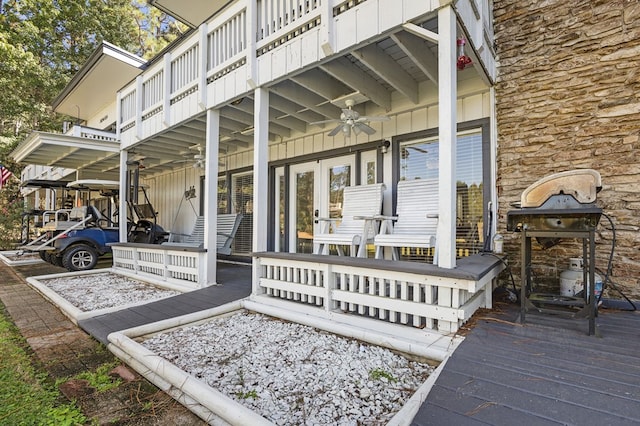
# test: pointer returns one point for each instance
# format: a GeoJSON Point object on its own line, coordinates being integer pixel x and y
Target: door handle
{"type": "Point", "coordinates": [316, 213]}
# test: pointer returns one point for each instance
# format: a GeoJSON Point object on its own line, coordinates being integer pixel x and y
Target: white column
{"type": "Point", "coordinates": [252, 29]}
{"type": "Point", "coordinates": [122, 198]}
{"type": "Point", "coordinates": [166, 99]}
{"type": "Point", "coordinates": [447, 96]}
{"type": "Point", "coordinates": [260, 177]}
{"type": "Point", "coordinates": [326, 29]}
{"type": "Point", "coordinates": [211, 195]}
{"type": "Point", "coordinates": [202, 64]}
{"type": "Point", "coordinates": [139, 107]}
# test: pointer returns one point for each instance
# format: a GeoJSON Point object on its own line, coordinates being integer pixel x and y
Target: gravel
{"type": "Point", "coordinates": [293, 374]}
{"type": "Point", "coordinates": [105, 290]}
{"type": "Point", "coordinates": [289, 373]}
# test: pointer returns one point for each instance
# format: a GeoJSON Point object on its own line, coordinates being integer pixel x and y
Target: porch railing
{"type": "Point", "coordinates": [91, 133]}
{"type": "Point", "coordinates": [228, 42]}
{"type": "Point", "coordinates": [420, 297]}
{"type": "Point", "coordinates": [183, 267]}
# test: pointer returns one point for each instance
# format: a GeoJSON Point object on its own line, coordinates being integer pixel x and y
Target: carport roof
{"type": "Point", "coordinates": [96, 158]}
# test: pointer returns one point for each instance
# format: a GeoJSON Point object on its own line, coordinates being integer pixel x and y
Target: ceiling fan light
{"type": "Point", "coordinates": [346, 129]}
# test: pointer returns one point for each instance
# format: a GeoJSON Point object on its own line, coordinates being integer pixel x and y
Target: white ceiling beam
{"type": "Point", "coordinates": [247, 118]}
{"type": "Point", "coordinates": [293, 109]}
{"type": "Point", "coordinates": [343, 70]}
{"type": "Point", "coordinates": [386, 68]}
{"type": "Point", "coordinates": [306, 98]}
{"type": "Point", "coordinates": [422, 32]}
{"type": "Point", "coordinates": [322, 84]}
{"type": "Point", "coordinates": [274, 117]}
{"type": "Point", "coordinates": [419, 53]}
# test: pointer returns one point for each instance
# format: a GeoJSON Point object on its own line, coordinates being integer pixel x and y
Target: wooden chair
{"type": "Point", "coordinates": [227, 227]}
{"type": "Point", "coordinates": [416, 218]}
{"type": "Point", "coordinates": [361, 204]}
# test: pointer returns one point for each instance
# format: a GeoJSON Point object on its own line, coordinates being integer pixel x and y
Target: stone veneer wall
{"type": "Point", "coordinates": [568, 96]}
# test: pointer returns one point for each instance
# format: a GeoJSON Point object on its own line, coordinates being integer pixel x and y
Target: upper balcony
{"type": "Point", "coordinates": [311, 54]}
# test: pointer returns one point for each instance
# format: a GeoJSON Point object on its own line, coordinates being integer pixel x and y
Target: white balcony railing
{"type": "Point", "coordinates": [95, 134]}
{"type": "Point", "coordinates": [186, 82]}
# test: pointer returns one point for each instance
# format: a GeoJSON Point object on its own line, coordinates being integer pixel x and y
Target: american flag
{"type": "Point", "coordinates": [5, 174]}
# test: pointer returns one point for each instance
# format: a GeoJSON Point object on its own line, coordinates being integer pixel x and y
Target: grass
{"type": "Point", "coordinates": [27, 395]}
{"type": "Point", "coordinates": [100, 379]}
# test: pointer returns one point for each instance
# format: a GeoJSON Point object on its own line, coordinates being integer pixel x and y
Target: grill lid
{"type": "Point", "coordinates": [582, 184]}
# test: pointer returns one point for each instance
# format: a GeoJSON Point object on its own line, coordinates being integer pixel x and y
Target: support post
{"type": "Point", "coordinates": [202, 63]}
{"type": "Point", "coordinates": [122, 199]}
{"type": "Point", "coordinates": [260, 178]}
{"type": "Point", "coordinates": [447, 96]}
{"type": "Point", "coordinates": [211, 200]}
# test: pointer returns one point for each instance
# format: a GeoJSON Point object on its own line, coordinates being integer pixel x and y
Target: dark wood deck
{"type": "Point", "coordinates": [545, 372]}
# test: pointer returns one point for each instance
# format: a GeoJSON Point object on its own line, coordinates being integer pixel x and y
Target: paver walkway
{"type": "Point", "coordinates": [64, 350]}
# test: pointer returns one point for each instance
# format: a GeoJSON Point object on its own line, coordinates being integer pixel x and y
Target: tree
{"type": "Point", "coordinates": [43, 44]}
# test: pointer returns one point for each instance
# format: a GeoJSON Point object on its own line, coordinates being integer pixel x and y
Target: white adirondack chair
{"type": "Point", "coordinates": [416, 218]}
{"type": "Point", "coordinates": [361, 204]}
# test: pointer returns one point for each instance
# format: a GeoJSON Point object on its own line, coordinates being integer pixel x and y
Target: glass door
{"type": "Point", "coordinates": [316, 190]}
{"type": "Point", "coordinates": [303, 195]}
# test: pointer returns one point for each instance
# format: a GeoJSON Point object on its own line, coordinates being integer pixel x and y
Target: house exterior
{"type": "Point", "coordinates": [567, 98]}
{"type": "Point", "coordinates": [244, 107]}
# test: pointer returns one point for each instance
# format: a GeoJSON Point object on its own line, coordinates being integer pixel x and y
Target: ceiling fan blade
{"type": "Point", "coordinates": [326, 121]}
{"type": "Point", "coordinates": [365, 128]}
{"type": "Point", "coordinates": [366, 118]}
{"type": "Point", "coordinates": [336, 130]}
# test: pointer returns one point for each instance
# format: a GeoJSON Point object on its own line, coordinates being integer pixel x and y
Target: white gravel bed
{"type": "Point", "coordinates": [105, 290]}
{"type": "Point", "coordinates": [293, 374]}
{"type": "Point", "coordinates": [20, 258]}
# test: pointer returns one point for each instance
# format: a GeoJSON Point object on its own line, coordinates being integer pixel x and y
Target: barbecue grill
{"type": "Point", "coordinates": [553, 208]}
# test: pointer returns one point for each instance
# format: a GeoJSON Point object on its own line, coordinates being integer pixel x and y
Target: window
{"type": "Point", "coordinates": [242, 202]}
{"type": "Point", "coordinates": [419, 160]}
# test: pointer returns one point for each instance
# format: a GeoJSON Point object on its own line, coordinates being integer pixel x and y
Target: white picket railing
{"type": "Point", "coordinates": [181, 267]}
{"type": "Point", "coordinates": [427, 299]}
{"type": "Point", "coordinates": [226, 44]}
{"type": "Point", "coordinates": [91, 133]}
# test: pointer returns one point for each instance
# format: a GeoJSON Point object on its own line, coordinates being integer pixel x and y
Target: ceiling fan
{"type": "Point", "coordinates": [351, 120]}
{"type": "Point", "coordinates": [198, 159]}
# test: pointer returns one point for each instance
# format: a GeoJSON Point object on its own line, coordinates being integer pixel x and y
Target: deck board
{"type": "Point", "coordinates": [235, 283]}
{"type": "Point", "coordinates": [546, 371]}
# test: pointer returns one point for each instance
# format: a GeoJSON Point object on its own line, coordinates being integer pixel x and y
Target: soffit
{"type": "Point", "coordinates": [96, 158]}
{"type": "Point", "coordinates": [109, 68]}
{"type": "Point", "coordinates": [192, 12]}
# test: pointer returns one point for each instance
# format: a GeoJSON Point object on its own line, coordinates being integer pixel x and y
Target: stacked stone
{"type": "Point", "coordinates": [568, 97]}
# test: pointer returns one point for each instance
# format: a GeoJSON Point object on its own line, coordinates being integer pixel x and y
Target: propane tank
{"type": "Point", "coordinates": [571, 280]}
